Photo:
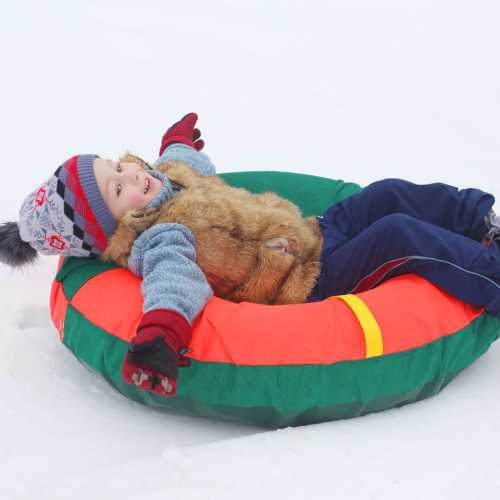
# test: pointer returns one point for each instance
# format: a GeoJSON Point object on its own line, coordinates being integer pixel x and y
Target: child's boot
{"type": "Point", "coordinates": [492, 222]}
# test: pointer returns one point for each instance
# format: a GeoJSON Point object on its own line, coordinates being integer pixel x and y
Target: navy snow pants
{"type": "Point", "coordinates": [396, 227]}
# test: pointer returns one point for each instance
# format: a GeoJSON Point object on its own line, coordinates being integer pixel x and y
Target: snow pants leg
{"type": "Point", "coordinates": [396, 227]}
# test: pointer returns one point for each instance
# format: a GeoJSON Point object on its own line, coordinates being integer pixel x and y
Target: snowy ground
{"type": "Point", "coordinates": [352, 89]}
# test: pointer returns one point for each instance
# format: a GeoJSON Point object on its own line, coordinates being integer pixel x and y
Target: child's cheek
{"type": "Point", "coordinates": [137, 200]}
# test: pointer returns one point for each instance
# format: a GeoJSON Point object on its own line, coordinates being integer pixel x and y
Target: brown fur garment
{"type": "Point", "coordinates": [251, 247]}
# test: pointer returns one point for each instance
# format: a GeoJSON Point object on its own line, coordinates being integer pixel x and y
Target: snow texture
{"type": "Point", "coordinates": [353, 89]}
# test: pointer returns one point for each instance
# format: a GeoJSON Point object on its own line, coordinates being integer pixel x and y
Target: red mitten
{"type": "Point", "coordinates": [156, 352]}
{"type": "Point", "coordinates": [183, 132]}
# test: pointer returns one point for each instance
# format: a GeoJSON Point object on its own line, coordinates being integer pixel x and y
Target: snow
{"type": "Point", "coordinates": [359, 90]}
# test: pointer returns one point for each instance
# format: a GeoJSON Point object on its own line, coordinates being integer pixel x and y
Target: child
{"type": "Point", "coordinates": [392, 227]}
{"type": "Point", "coordinates": [75, 212]}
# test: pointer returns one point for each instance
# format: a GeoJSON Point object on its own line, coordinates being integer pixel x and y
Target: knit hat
{"type": "Point", "coordinates": [67, 214]}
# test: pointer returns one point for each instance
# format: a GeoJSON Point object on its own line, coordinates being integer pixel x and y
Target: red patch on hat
{"type": "Point", "coordinates": [56, 242]}
{"type": "Point", "coordinates": [40, 197]}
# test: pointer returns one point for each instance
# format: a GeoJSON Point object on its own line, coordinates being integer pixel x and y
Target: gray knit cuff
{"type": "Point", "coordinates": [199, 161]}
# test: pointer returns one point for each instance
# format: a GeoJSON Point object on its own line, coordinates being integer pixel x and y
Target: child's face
{"type": "Point", "coordinates": [124, 186]}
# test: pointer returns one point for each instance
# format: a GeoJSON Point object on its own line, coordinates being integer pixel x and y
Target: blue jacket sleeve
{"type": "Point", "coordinates": [165, 257]}
{"type": "Point", "coordinates": [199, 161]}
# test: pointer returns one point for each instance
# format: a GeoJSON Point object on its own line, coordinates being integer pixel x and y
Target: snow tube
{"type": "Point", "coordinates": [278, 366]}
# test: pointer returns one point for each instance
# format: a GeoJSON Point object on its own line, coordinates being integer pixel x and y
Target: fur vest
{"type": "Point", "coordinates": [251, 247]}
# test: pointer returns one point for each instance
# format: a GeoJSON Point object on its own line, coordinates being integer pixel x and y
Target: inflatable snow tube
{"type": "Point", "coordinates": [288, 365]}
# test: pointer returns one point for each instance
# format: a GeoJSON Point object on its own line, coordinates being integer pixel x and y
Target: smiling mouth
{"type": "Point", "coordinates": [147, 185]}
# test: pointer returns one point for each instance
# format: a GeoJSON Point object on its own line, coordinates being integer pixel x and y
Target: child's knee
{"type": "Point", "coordinates": [395, 223]}
{"type": "Point", "coordinates": [388, 186]}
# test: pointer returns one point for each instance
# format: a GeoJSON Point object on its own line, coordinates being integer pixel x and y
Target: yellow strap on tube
{"type": "Point", "coordinates": [371, 330]}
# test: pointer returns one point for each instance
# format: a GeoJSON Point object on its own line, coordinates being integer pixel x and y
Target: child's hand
{"type": "Point", "coordinates": [183, 132]}
{"type": "Point", "coordinates": [156, 352]}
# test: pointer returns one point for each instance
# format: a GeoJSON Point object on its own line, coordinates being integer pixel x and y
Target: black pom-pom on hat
{"type": "Point", "coordinates": [13, 250]}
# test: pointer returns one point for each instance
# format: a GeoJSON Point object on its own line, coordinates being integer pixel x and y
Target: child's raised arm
{"type": "Point", "coordinates": [182, 142]}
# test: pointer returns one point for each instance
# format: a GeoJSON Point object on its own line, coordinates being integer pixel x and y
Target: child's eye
{"type": "Point", "coordinates": [118, 189]}
{"type": "Point", "coordinates": [119, 167]}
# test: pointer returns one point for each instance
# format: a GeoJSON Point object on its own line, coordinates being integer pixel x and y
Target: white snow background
{"type": "Point", "coordinates": [357, 90]}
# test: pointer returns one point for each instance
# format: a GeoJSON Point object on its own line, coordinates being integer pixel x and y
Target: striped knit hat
{"type": "Point", "coordinates": [67, 215]}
